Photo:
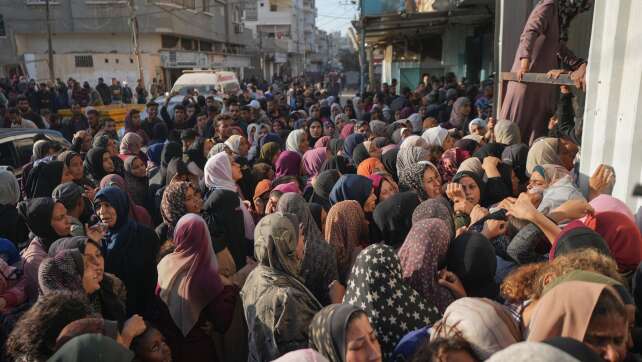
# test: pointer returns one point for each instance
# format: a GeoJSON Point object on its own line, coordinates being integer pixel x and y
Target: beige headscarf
{"type": "Point", "coordinates": [472, 164]}
{"type": "Point", "coordinates": [566, 310]}
{"type": "Point", "coordinates": [507, 132]}
{"type": "Point", "coordinates": [543, 151]}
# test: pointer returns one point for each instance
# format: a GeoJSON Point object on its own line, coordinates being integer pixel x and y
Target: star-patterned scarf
{"type": "Point", "coordinates": [394, 309]}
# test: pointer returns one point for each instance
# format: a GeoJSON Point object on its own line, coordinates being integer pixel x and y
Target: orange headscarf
{"type": "Point", "coordinates": [369, 166]}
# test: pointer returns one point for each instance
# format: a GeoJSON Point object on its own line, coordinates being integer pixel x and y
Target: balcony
{"type": "Point", "coordinates": [283, 45]}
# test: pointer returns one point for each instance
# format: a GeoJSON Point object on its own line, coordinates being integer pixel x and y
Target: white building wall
{"type": "Point", "coordinates": [613, 115]}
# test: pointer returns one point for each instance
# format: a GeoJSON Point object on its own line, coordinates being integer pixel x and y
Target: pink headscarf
{"type": "Point", "coordinates": [347, 130]}
{"type": "Point", "coordinates": [188, 277]}
{"type": "Point", "coordinates": [288, 187]}
{"type": "Point", "coordinates": [605, 203]}
{"type": "Point", "coordinates": [322, 142]}
{"type": "Point", "coordinates": [313, 159]}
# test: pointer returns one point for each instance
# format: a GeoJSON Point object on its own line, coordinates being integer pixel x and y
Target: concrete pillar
{"type": "Point", "coordinates": [612, 131]}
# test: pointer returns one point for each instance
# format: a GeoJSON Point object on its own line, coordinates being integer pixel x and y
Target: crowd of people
{"type": "Point", "coordinates": [290, 225]}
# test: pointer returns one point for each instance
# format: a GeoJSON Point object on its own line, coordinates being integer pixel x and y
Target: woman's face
{"type": "Point", "coordinates": [76, 169]}
{"type": "Point", "coordinates": [94, 259]}
{"type": "Point", "coordinates": [193, 201]}
{"type": "Point", "coordinates": [536, 180]}
{"type": "Point", "coordinates": [153, 347]}
{"type": "Point", "coordinates": [136, 119]}
{"type": "Point", "coordinates": [476, 129]}
{"type": "Point", "coordinates": [471, 189]}
{"type": "Point", "coordinates": [108, 163]}
{"type": "Point", "coordinates": [244, 147]}
{"type": "Point", "coordinates": [465, 110]}
{"type": "Point", "coordinates": [111, 147]}
{"type": "Point", "coordinates": [316, 130]}
{"type": "Point", "coordinates": [607, 335]}
{"type": "Point", "coordinates": [432, 183]}
{"type": "Point", "coordinates": [59, 220]}
{"type": "Point", "coordinates": [448, 143]}
{"type": "Point", "coordinates": [107, 214]}
{"type": "Point", "coordinates": [66, 176]}
{"type": "Point", "coordinates": [303, 144]}
{"type": "Point", "coordinates": [348, 111]}
{"type": "Point", "coordinates": [387, 190]}
{"type": "Point", "coordinates": [361, 341]}
{"type": "Point", "coordinates": [90, 282]}
{"type": "Point", "coordinates": [371, 202]}
{"type": "Point", "coordinates": [567, 152]}
{"type": "Point", "coordinates": [236, 171]}
{"type": "Point", "coordinates": [138, 168]}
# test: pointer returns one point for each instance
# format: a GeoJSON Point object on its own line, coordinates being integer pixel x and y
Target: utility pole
{"type": "Point", "coordinates": [362, 50]}
{"type": "Point", "coordinates": [133, 21]}
{"type": "Point", "coordinates": [52, 76]}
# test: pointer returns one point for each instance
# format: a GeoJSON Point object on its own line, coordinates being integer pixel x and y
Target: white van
{"type": "Point", "coordinates": [205, 80]}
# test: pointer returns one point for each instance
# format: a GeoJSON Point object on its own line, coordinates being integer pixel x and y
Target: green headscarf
{"type": "Point", "coordinates": [275, 240]}
{"type": "Point", "coordinates": [269, 150]}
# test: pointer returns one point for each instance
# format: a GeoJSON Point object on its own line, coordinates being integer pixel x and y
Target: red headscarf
{"type": "Point", "coordinates": [622, 236]}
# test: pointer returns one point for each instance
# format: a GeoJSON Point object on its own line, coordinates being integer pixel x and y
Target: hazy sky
{"type": "Point", "coordinates": [333, 15]}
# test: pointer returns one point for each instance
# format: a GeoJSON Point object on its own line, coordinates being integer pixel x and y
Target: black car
{"type": "Point", "coordinates": [16, 145]}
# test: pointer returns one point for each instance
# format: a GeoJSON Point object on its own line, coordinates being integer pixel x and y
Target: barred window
{"type": "Point", "coordinates": [84, 61]}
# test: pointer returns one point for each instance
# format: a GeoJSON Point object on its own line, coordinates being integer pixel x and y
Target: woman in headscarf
{"type": "Point", "coordinates": [421, 254]}
{"type": "Point", "coordinates": [297, 141]}
{"type": "Point", "coordinates": [314, 131]}
{"type": "Point", "coordinates": [336, 146]}
{"type": "Point", "coordinates": [384, 186]}
{"type": "Point", "coordinates": [222, 203]}
{"type": "Point", "coordinates": [422, 178]}
{"type": "Point", "coordinates": [589, 312]}
{"type": "Point", "coordinates": [44, 178]}
{"type": "Point", "coordinates": [109, 300]}
{"type": "Point", "coordinates": [137, 212]}
{"type": "Point", "coordinates": [484, 323]}
{"type": "Point", "coordinates": [130, 249]}
{"type": "Point", "coordinates": [193, 293]}
{"type": "Point", "coordinates": [136, 179]}
{"type": "Point", "coordinates": [346, 229]}
{"type": "Point", "coordinates": [323, 142]}
{"type": "Point", "coordinates": [507, 133]}
{"type": "Point", "coordinates": [342, 332]}
{"type": "Point", "coordinates": [92, 347]}
{"type": "Point", "coordinates": [393, 307]}
{"type": "Point", "coordinates": [74, 163]}
{"type": "Point", "coordinates": [270, 152]}
{"type": "Point", "coordinates": [278, 307]}
{"type": "Point", "coordinates": [287, 164]}
{"type": "Point", "coordinates": [460, 113]}
{"type": "Point", "coordinates": [370, 166]}
{"type": "Point", "coordinates": [12, 227]}
{"type": "Point", "coordinates": [98, 164]}
{"type": "Point", "coordinates": [47, 220]}
{"type": "Point", "coordinates": [322, 186]}
{"type": "Point", "coordinates": [414, 141]}
{"type": "Point", "coordinates": [66, 272]}
{"type": "Point", "coordinates": [338, 163]}
{"type": "Point", "coordinates": [351, 142]}
{"type": "Point", "coordinates": [196, 155]}
{"type": "Point", "coordinates": [450, 162]}
{"type": "Point", "coordinates": [471, 257]}
{"type": "Point", "coordinates": [437, 208]}
{"type": "Point", "coordinates": [393, 218]}
{"type": "Point", "coordinates": [319, 264]}
{"type": "Point", "coordinates": [131, 145]}
{"type": "Point", "coordinates": [179, 198]}
{"type": "Point", "coordinates": [544, 151]}
{"type": "Point", "coordinates": [541, 48]}
{"type": "Point", "coordinates": [389, 160]}
{"type": "Point", "coordinates": [354, 187]}
{"type": "Point", "coordinates": [515, 156]}
{"type": "Point", "coordinates": [409, 156]}
{"type": "Point", "coordinates": [312, 161]}
{"type": "Point", "coordinates": [468, 144]}
{"type": "Point", "coordinates": [438, 136]}
{"type": "Point", "coordinates": [473, 165]}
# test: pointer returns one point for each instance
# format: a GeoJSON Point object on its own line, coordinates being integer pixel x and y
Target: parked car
{"type": "Point", "coordinates": [16, 146]}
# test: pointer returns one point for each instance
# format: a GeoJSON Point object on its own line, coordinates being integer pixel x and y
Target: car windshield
{"type": "Point", "coordinates": [182, 89]}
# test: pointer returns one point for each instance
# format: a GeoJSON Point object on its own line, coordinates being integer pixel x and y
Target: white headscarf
{"type": "Point", "coordinates": [435, 136]}
{"type": "Point", "coordinates": [233, 143]}
{"type": "Point", "coordinates": [413, 140]}
{"type": "Point", "coordinates": [218, 175]}
{"type": "Point", "coordinates": [416, 121]}
{"type": "Point", "coordinates": [294, 138]}
{"type": "Point", "coordinates": [9, 188]}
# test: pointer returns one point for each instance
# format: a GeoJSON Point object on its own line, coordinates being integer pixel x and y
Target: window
{"type": "Point", "coordinates": [24, 148]}
{"type": "Point", "coordinates": [169, 42]}
{"type": "Point", "coordinates": [273, 6]}
{"type": "Point", "coordinates": [2, 30]}
{"type": "Point", "coordinates": [206, 6]}
{"type": "Point", "coordinates": [187, 44]}
{"type": "Point", "coordinates": [205, 46]}
{"type": "Point", "coordinates": [84, 61]}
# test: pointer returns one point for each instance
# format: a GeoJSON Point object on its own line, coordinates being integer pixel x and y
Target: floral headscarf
{"type": "Point", "coordinates": [173, 204]}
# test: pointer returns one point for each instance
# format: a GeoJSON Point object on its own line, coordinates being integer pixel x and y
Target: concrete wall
{"type": "Point", "coordinates": [613, 114]}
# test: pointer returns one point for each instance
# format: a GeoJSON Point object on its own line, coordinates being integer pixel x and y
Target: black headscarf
{"type": "Point", "coordinates": [480, 184]}
{"type": "Point", "coordinates": [335, 145]}
{"type": "Point", "coordinates": [94, 163]}
{"type": "Point", "coordinates": [575, 348]}
{"type": "Point", "coordinates": [44, 178]}
{"type": "Point", "coordinates": [467, 144]}
{"type": "Point", "coordinates": [393, 217]}
{"type": "Point", "coordinates": [359, 154]}
{"type": "Point", "coordinates": [580, 237]}
{"type": "Point", "coordinates": [37, 213]}
{"type": "Point", "coordinates": [351, 187]}
{"type": "Point", "coordinates": [490, 149]}
{"type": "Point", "coordinates": [389, 160]}
{"type": "Point", "coordinates": [195, 153]}
{"type": "Point", "coordinates": [68, 194]}
{"type": "Point", "coordinates": [338, 163]}
{"type": "Point", "coordinates": [515, 156]}
{"type": "Point", "coordinates": [322, 186]}
{"type": "Point", "coordinates": [567, 10]}
{"type": "Point", "coordinates": [224, 219]}
{"type": "Point", "coordinates": [171, 150]}
{"type": "Point", "coordinates": [472, 258]}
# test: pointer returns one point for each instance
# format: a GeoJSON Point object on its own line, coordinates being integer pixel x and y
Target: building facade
{"type": "Point", "coordinates": [93, 38]}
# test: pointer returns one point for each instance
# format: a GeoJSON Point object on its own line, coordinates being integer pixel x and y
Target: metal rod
{"type": "Point", "coordinates": [52, 76]}
{"type": "Point", "coordinates": [539, 78]}
{"type": "Point", "coordinates": [134, 26]}
{"type": "Point", "coordinates": [362, 51]}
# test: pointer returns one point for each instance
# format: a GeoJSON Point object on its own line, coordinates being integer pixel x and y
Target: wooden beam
{"type": "Point", "coordinates": [539, 78]}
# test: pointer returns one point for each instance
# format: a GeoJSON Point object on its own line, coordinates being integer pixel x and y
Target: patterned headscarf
{"type": "Point", "coordinates": [173, 204]}
{"type": "Point", "coordinates": [436, 208]}
{"type": "Point", "coordinates": [450, 161]}
{"type": "Point", "coordinates": [393, 307]}
{"type": "Point", "coordinates": [275, 240]}
{"type": "Point", "coordinates": [328, 330]}
{"type": "Point", "coordinates": [130, 142]}
{"type": "Point", "coordinates": [409, 156]}
{"type": "Point", "coordinates": [412, 178]}
{"type": "Point", "coordinates": [61, 272]}
{"type": "Point", "coordinates": [345, 227]}
{"type": "Point", "coordinates": [457, 118]}
{"type": "Point", "coordinates": [567, 10]}
{"type": "Point", "coordinates": [425, 247]}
